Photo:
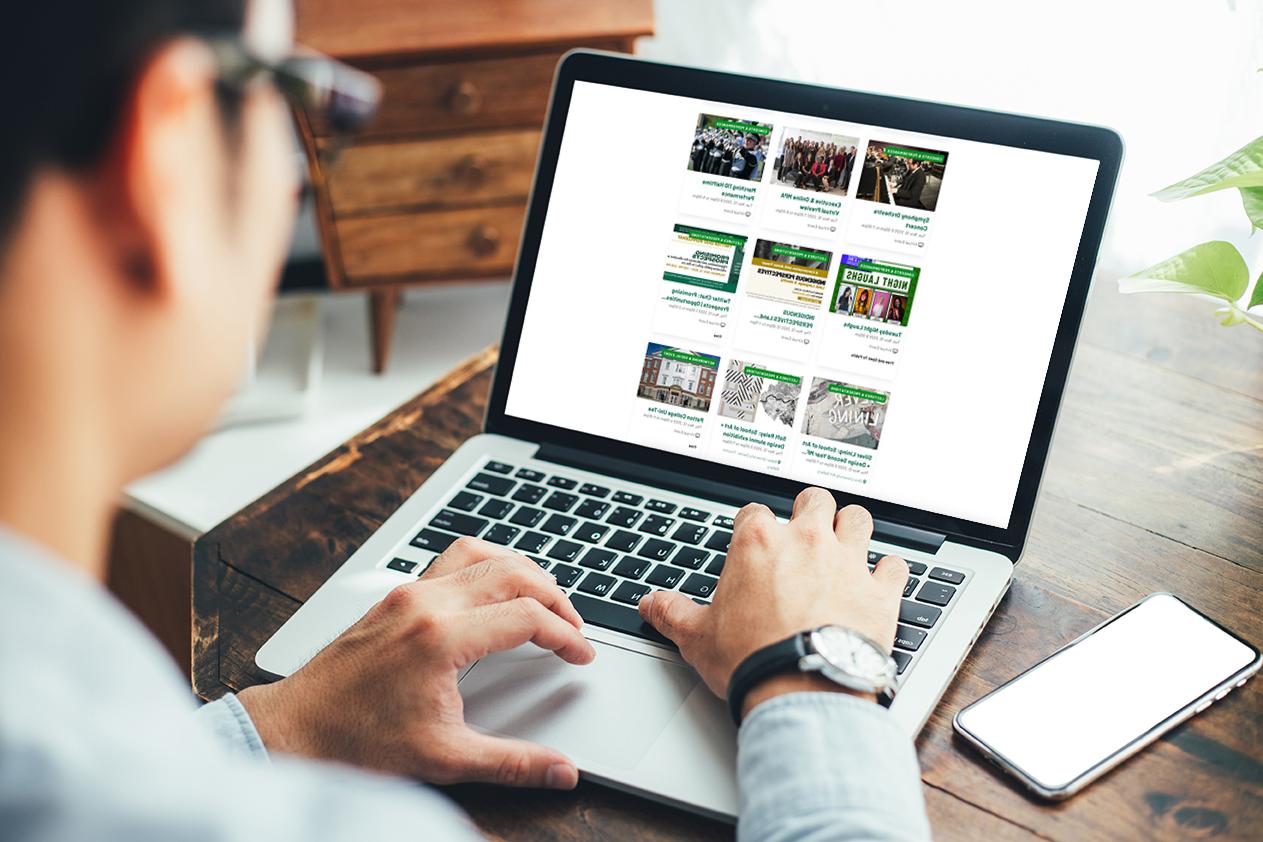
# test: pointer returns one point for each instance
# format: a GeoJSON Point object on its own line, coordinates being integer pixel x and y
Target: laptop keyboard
{"type": "Point", "coordinates": [608, 547]}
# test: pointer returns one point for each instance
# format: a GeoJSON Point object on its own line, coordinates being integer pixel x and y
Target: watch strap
{"type": "Point", "coordinates": [761, 664]}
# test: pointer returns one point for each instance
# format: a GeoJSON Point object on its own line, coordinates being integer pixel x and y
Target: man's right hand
{"type": "Point", "coordinates": [779, 580]}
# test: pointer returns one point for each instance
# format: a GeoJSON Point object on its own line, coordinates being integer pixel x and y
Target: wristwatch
{"type": "Point", "coordinates": [842, 655]}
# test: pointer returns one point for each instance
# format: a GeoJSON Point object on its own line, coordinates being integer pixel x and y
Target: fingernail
{"type": "Point", "coordinates": [561, 776]}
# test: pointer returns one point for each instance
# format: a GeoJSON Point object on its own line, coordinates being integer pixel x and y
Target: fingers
{"type": "Point", "coordinates": [672, 613]}
{"type": "Point", "coordinates": [504, 579]}
{"type": "Point", "coordinates": [892, 573]}
{"type": "Point", "coordinates": [504, 625]}
{"type": "Point", "coordinates": [814, 508]}
{"type": "Point", "coordinates": [854, 527]}
{"type": "Point", "coordinates": [752, 513]}
{"type": "Point", "coordinates": [463, 552]}
{"type": "Point", "coordinates": [515, 763]}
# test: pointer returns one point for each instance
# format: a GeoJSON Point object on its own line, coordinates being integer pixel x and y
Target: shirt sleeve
{"type": "Point", "coordinates": [827, 766]}
{"type": "Point", "coordinates": [228, 724]}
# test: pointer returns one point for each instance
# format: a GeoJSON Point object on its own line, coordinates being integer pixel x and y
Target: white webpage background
{"type": "Point", "coordinates": [994, 276]}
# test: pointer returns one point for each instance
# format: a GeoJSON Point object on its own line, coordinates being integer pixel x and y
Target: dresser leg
{"type": "Point", "coordinates": [382, 306]}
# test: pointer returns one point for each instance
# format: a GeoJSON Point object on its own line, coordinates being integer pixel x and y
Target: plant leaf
{"type": "Point", "coordinates": [1252, 199]}
{"type": "Point", "coordinates": [1243, 168]}
{"type": "Point", "coordinates": [1257, 298]}
{"type": "Point", "coordinates": [1215, 268]}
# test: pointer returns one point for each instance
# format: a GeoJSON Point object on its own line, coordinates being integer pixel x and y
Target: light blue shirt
{"type": "Point", "coordinates": [100, 739]}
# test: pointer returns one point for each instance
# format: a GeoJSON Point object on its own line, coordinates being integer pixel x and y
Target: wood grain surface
{"type": "Point", "coordinates": [1155, 482]}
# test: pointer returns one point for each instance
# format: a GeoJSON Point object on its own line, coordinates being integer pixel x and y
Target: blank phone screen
{"type": "Point", "coordinates": [1090, 700]}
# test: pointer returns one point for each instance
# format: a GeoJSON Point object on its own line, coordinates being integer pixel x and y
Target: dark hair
{"type": "Point", "coordinates": [70, 65]}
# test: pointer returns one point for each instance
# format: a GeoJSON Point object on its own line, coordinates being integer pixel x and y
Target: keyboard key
{"type": "Point", "coordinates": [945, 575]}
{"type": "Point", "coordinates": [495, 509]}
{"type": "Point", "coordinates": [656, 525]}
{"type": "Point", "coordinates": [916, 568]}
{"type": "Point", "coordinates": [624, 517]}
{"type": "Point", "coordinates": [629, 499]}
{"type": "Point", "coordinates": [466, 501]}
{"type": "Point", "coordinates": [565, 551]}
{"type": "Point", "coordinates": [916, 614]}
{"type": "Point", "coordinates": [689, 533]}
{"type": "Point", "coordinates": [656, 549]}
{"type": "Point", "coordinates": [532, 542]}
{"type": "Point", "coordinates": [459, 523]}
{"type": "Point", "coordinates": [541, 562]}
{"type": "Point", "coordinates": [909, 638]}
{"type": "Point", "coordinates": [910, 586]}
{"type": "Point", "coordinates": [629, 592]}
{"type": "Point", "coordinates": [499, 467]}
{"type": "Point", "coordinates": [902, 659]}
{"type": "Point", "coordinates": [717, 565]}
{"type": "Point", "coordinates": [428, 539]}
{"type": "Point", "coordinates": [611, 615]}
{"type": "Point", "coordinates": [590, 532]}
{"type": "Point", "coordinates": [491, 484]}
{"type": "Point", "coordinates": [623, 541]}
{"type": "Point", "coordinates": [935, 593]}
{"type": "Point", "coordinates": [597, 583]}
{"type": "Point", "coordinates": [598, 559]}
{"type": "Point", "coordinates": [562, 482]}
{"type": "Point", "coordinates": [665, 576]}
{"type": "Point", "coordinates": [530, 494]}
{"type": "Point", "coordinates": [402, 565]}
{"type": "Point", "coordinates": [594, 490]}
{"type": "Point", "coordinates": [566, 575]}
{"type": "Point", "coordinates": [873, 556]}
{"type": "Point", "coordinates": [592, 509]}
{"type": "Point", "coordinates": [701, 601]}
{"type": "Point", "coordinates": [529, 475]}
{"type": "Point", "coordinates": [560, 501]}
{"type": "Point", "coordinates": [699, 584]}
{"type": "Point", "coordinates": [722, 523]}
{"type": "Point", "coordinates": [559, 524]}
{"type": "Point", "coordinates": [690, 557]}
{"type": "Point", "coordinates": [719, 542]}
{"type": "Point", "coordinates": [501, 533]}
{"type": "Point", "coordinates": [661, 506]}
{"type": "Point", "coordinates": [526, 516]}
{"type": "Point", "coordinates": [694, 514]}
{"type": "Point", "coordinates": [631, 567]}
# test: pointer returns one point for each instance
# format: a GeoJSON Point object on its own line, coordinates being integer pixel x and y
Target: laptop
{"type": "Point", "coordinates": [729, 288]}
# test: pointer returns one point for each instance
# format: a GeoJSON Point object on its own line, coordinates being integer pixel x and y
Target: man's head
{"type": "Point", "coordinates": [751, 140]}
{"type": "Point", "coordinates": [145, 211]}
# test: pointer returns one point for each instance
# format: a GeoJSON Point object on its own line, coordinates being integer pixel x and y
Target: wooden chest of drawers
{"type": "Point", "coordinates": [434, 190]}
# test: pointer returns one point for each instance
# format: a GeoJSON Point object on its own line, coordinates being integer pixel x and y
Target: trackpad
{"type": "Point", "coordinates": [608, 712]}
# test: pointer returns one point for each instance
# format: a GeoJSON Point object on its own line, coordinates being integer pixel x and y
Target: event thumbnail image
{"type": "Point", "coordinates": [678, 377]}
{"type": "Point", "coordinates": [732, 148]}
{"type": "Point", "coordinates": [901, 175]}
{"type": "Point", "coordinates": [845, 413]}
{"type": "Point", "coordinates": [874, 289]}
{"type": "Point", "coordinates": [704, 258]}
{"type": "Point", "coordinates": [787, 273]}
{"type": "Point", "coordinates": [818, 161]}
{"type": "Point", "coordinates": [759, 396]}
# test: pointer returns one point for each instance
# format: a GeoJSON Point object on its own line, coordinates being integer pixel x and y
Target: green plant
{"type": "Point", "coordinates": [1216, 268]}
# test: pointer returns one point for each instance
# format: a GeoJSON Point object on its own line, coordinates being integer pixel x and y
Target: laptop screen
{"type": "Point", "coordinates": [867, 309]}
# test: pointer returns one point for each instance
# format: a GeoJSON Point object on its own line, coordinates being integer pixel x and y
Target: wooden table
{"type": "Point", "coordinates": [1155, 483]}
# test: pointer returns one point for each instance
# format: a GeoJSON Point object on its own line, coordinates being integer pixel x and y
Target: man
{"type": "Point", "coordinates": [145, 202]}
{"type": "Point", "coordinates": [744, 160]}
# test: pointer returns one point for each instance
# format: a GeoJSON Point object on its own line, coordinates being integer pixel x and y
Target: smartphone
{"type": "Point", "coordinates": [1101, 698]}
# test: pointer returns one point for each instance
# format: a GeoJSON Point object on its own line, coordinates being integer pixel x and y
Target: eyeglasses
{"type": "Point", "coordinates": [329, 91]}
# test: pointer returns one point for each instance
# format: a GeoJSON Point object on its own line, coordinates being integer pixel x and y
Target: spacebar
{"type": "Point", "coordinates": [617, 617]}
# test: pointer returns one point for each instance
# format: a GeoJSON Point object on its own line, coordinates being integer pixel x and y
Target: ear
{"type": "Point", "coordinates": [153, 187]}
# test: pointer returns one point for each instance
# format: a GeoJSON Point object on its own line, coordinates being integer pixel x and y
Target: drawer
{"type": "Point", "coordinates": [452, 171]}
{"type": "Point", "coordinates": [462, 95]}
{"type": "Point", "coordinates": [436, 245]}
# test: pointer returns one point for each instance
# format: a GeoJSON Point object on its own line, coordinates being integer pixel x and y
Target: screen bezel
{"type": "Point", "coordinates": [1037, 134]}
{"type": "Point", "coordinates": [1133, 745]}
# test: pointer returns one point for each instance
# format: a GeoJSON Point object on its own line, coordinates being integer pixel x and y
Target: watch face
{"type": "Point", "coordinates": [852, 653]}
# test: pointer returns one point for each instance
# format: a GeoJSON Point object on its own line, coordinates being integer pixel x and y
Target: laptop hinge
{"type": "Point", "coordinates": [903, 535]}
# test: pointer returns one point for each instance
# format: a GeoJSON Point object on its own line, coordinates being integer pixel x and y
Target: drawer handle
{"type": "Point", "coordinates": [464, 98]}
{"type": "Point", "coordinates": [484, 240]}
{"type": "Point", "coordinates": [472, 169]}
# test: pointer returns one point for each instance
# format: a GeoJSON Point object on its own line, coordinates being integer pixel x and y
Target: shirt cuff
{"type": "Point", "coordinates": [228, 722]}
